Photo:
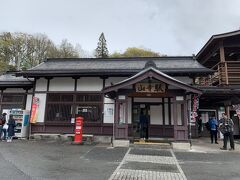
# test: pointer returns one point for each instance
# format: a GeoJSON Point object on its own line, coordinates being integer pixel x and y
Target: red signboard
{"type": "Point", "coordinates": [78, 130]}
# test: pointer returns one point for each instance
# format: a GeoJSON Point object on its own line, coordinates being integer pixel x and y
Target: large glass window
{"type": "Point", "coordinates": [59, 107]}
{"type": "Point", "coordinates": [62, 107]}
{"type": "Point", "coordinates": [89, 106]}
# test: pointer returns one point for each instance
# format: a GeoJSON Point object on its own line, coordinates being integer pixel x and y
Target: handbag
{"type": "Point", "coordinates": [5, 126]}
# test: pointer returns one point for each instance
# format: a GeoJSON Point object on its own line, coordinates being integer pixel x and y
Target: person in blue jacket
{"type": "Point", "coordinates": [213, 125]}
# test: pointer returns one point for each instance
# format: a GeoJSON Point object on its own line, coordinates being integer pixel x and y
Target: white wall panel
{"type": "Point", "coordinates": [129, 110]}
{"type": "Point", "coordinates": [29, 102]}
{"type": "Point", "coordinates": [41, 84]}
{"type": "Point", "coordinates": [89, 84]}
{"type": "Point", "coordinates": [61, 84]}
{"type": "Point", "coordinates": [108, 110]}
{"type": "Point", "coordinates": [156, 114]}
{"type": "Point", "coordinates": [108, 113]}
{"type": "Point", "coordinates": [179, 114]}
{"type": "Point", "coordinates": [166, 114]}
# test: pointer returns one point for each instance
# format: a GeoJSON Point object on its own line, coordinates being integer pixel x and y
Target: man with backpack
{"type": "Point", "coordinates": [226, 127]}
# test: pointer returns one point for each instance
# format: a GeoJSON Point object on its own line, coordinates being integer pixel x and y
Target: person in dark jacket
{"type": "Point", "coordinates": [226, 127]}
{"type": "Point", "coordinates": [11, 128]}
{"type": "Point", "coordinates": [143, 125]}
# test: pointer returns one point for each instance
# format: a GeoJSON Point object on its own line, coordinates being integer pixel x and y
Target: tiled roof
{"type": "Point", "coordinates": [11, 80]}
{"type": "Point", "coordinates": [115, 65]}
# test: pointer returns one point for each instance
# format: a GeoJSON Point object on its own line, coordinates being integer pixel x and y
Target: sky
{"type": "Point", "coordinates": [171, 27]}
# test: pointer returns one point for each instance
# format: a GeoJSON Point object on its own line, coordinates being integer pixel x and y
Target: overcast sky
{"type": "Point", "coordinates": [172, 27]}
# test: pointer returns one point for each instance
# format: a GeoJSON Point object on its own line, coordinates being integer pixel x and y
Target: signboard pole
{"type": "Point", "coordinates": [190, 121]}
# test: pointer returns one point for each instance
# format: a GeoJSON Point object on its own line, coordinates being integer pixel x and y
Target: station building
{"type": "Point", "coordinates": [111, 93]}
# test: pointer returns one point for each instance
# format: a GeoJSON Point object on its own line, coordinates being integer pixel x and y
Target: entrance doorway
{"type": "Point", "coordinates": [136, 124]}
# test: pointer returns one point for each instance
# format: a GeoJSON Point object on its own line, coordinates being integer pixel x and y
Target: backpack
{"type": "Point", "coordinates": [1, 121]}
{"type": "Point", "coordinates": [208, 126]}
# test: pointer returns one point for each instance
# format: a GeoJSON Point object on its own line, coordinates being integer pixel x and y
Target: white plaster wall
{"type": "Point", "coordinates": [61, 84]}
{"type": "Point", "coordinates": [147, 100]}
{"type": "Point", "coordinates": [108, 110]}
{"type": "Point", "coordinates": [41, 84]}
{"type": "Point", "coordinates": [166, 113]}
{"type": "Point", "coordinates": [129, 110]}
{"type": "Point", "coordinates": [179, 115]}
{"type": "Point", "coordinates": [18, 90]}
{"type": "Point", "coordinates": [156, 114]}
{"type": "Point", "coordinates": [172, 115]}
{"type": "Point", "coordinates": [113, 80]}
{"type": "Point", "coordinates": [42, 105]}
{"type": "Point", "coordinates": [89, 84]}
{"type": "Point", "coordinates": [29, 102]}
{"type": "Point", "coordinates": [184, 79]}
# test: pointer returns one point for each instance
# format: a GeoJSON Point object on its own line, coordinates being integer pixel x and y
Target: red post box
{"type": "Point", "coordinates": [78, 130]}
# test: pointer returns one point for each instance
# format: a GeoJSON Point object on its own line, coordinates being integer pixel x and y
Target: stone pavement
{"type": "Point", "coordinates": [203, 145]}
{"type": "Point", "coordinates": [148, 164]}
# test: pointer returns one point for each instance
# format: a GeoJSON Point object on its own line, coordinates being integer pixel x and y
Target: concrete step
{"type": "Point", "coordinates": [151, 145]}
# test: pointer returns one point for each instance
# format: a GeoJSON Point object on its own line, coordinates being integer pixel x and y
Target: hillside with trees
{"type": "Point", "coordinates": [20, 51]}
{"type": "Point", "coordinates": [136, 52]}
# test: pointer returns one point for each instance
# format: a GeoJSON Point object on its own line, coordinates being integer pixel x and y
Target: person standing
{"type": "Point", "coordinates": [199, 125]}
{"type": "Point", "coordinates": [213, 129]}
{"type": "Point", "coordinates": [226, 127]}
{"type": "Point", "coordinates": [4, 126]}
{"type": "Point", "coordinates": [2, 122]}
{"type": "Point", "coordinates": [11, 128]}
{"type": "Point", "coordinates": [143, 125]}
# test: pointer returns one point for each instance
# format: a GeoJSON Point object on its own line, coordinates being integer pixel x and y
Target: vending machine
{"type": "Point", "coordinates": [22, 122]}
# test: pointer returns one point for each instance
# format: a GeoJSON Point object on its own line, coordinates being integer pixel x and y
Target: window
{"type": "Point", "coordinates": [62, 107]}
{"type": "Point", "coordinates": [89, 106]}
{"type": "Point", "coordinates": [89, 112]}
{"type": "Point", "coordinates": [13, 101]}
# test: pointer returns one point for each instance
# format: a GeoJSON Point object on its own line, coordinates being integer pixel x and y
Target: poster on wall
{"type": "Point", "coordinates": [237, 109]}
{"type": "Point", "coordinates": [194, 108]}
{"type": "Point", "coordinates": [34, 113]}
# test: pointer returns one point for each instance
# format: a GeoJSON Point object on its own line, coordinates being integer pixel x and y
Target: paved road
{"type": "Point", "coordinates": [23, 160]}
{"type": "Point", "coordinates": [49, 160]}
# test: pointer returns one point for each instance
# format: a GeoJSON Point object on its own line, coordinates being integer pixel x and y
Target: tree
{"type": "Point", "coordinates": [101, 50]}
{"type": "Point", "coordinates": [22, 51]}
{"type": "Point", "coordinates": [136, 52]}
{"type": "Point", "coordinates": [67, 50]}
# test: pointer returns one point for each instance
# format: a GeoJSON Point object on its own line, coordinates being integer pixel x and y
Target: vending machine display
{"type": "Point", "coordinates": [22, 122]}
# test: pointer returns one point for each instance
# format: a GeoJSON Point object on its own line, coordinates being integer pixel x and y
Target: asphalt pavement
{"type": "Point", "coordinates": [51, 160]}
